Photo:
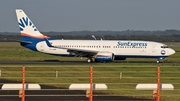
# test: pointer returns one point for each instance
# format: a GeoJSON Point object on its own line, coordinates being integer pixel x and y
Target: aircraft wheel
{"type": "Point", "coordinates": [89, 60]}
{"type": "Point", "coordinates": [157, 61]}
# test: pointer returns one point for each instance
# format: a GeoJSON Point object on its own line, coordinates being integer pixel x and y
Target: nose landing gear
{"type": "Point", "coordinates": [157, 61]}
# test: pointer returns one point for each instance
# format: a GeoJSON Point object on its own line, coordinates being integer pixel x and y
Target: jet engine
{"type": "Point", "coordinates": [104, 56]}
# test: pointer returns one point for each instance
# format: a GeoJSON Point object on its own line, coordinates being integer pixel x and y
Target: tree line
{"type": "Point", "coordinates": [160, 36]}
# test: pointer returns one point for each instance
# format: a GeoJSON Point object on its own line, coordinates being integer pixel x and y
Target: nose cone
{"type": "Point", "coordinates": [171, 51]}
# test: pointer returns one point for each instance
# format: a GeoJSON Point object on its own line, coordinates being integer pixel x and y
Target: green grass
{"type": "Point", "coordinates": [134, 71]}
{"type": "Point", "coordinates": [103, 73]}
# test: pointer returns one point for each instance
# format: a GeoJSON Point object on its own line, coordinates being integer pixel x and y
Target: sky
{"type": "Point", "coordinates": [92, 15]}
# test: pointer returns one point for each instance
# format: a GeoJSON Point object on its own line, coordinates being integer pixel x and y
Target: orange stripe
{"type": "Point", "coordinates": [40, 37]}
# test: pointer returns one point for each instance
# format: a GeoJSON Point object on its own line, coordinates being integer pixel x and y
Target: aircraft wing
{"type": "Point", "coordinates": [80, 52]}
{"type": "Point", "coordinates": [77, 52]}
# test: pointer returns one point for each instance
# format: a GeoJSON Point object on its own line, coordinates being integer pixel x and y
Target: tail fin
{"type": "Point", "coordinates": [27, 28]}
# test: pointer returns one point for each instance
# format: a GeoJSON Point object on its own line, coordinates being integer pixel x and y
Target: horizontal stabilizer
{"type": "Point", "coordinates": [26, 42]}
{"type": "Point", "coordinates": [154, 87]}
{"type": "Point", "coordinates": [87, 87]}
{"type": "Point", "coordinates": [23, 43]}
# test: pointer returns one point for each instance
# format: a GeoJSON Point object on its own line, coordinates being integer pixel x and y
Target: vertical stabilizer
{"type": "Point", "coordinates": [27, 28]}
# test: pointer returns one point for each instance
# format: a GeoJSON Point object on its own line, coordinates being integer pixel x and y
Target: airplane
{"type": "Point", "coordinates": [94, 51]}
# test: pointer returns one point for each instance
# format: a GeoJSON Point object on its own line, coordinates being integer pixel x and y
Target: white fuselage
{"type": "Point", "coordinates": [125, 48]}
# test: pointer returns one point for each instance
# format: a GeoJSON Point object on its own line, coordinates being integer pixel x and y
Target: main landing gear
{"type": "Point", "coordinates": [89, 60]}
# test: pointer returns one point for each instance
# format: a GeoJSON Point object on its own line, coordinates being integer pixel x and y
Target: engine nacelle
{"type": "Point", "coordinates": [104, 56]}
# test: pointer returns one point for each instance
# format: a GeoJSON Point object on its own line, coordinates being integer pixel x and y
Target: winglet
{"type": "Point", "coordinates": [48, 43]}
{"type": "Point", "coordinates": [93, 37]}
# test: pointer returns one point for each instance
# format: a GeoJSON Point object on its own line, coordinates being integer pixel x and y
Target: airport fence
{"type": "Point", "coordinates": [121, 83]}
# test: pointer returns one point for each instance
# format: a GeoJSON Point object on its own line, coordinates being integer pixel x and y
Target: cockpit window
{"type": "Point", "coordinates": [164, 46]}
